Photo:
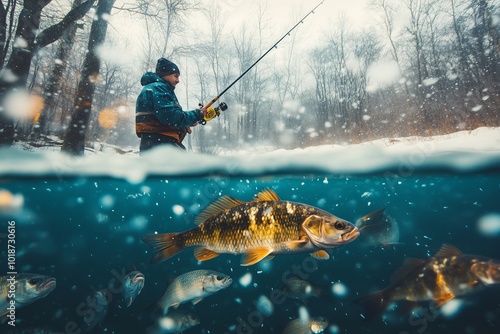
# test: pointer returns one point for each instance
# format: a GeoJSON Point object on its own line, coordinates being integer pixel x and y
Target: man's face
{"type": "Point", "coordinates": [172, 78]}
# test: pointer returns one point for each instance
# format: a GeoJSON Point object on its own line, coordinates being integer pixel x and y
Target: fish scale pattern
{"type": "Point", "coordinates": [251, 225]}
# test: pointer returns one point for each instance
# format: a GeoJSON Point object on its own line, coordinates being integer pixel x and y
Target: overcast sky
{"type": "Point", "coordinates": [279, 17]}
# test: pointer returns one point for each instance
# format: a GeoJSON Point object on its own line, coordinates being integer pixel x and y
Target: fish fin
{"type": "Point", "coordinates": [269, 258]}
{"type": "Point", "coordinates": [443, 299]}
{"type": "Point", "coordinates": [196, 301]}
{"type": "Point", "coordinates": [296, 244]}
{"type": "Point", "coordinates": [255, 255]}
{"type": "Point", "coordinates": [472, 283]}
{"type": "Point", "coordinates": [175, 305]}
{"type": "Point", "coordinates": [408, 265]}
{"type": "Point", "coordinates": [222, 204]}
{"type": "Point", "coordinates": [129, 301]}
{"type": "Point", "coordinates": [375, 303]}
{"type": "Point", "coordinates": [448, 250]}
{"type": "Point", "coordinates": [320, 255]}
{"type": "Point", "coordinates": [165, 245]}
{"type": "Point", "coordinates": [267, 195]}
{"type": "Point", "coordinates": [203, 254]}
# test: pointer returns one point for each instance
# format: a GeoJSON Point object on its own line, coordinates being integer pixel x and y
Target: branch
{"type": "Point", "coordinates": [53, 33]}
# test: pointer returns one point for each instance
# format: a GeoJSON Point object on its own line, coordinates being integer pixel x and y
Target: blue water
{"type": "Point", "coordinates": [84, 231]}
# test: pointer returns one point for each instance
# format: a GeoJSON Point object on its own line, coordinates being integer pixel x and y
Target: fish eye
{"type": "Point", "coordinates": [339, 225]}
{"type": "Point", "coordinates": [220, 278]}
{"type": "Point", "coordinates": [34, 280]}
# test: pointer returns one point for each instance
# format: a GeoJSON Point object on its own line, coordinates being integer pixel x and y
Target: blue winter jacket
{"type": "Point", "coordinates": [158, 110]}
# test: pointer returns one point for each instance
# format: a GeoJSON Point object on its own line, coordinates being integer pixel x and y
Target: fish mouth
{"type": "Point", "coordinates": [48, 284]}
{"type": "Point", "coordinates": [138, 277]}
{"type": "Point", "coordinates": [351, 235]}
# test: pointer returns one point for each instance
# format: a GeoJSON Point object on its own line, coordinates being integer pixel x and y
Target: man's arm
{"type": "Point", "coordinates": [169, 112]}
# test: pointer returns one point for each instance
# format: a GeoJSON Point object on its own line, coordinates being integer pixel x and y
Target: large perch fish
{"type": "Point", "coordinates": [257, 229]}
{"type": "Point", "coordinates": [439, 279]}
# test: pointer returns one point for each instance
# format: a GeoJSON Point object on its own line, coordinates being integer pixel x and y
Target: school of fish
{"type": "Point", "coordinates": [260, 229]}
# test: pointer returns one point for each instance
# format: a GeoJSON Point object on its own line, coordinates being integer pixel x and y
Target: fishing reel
{"type": "Point", "coordinates": [213, 112]}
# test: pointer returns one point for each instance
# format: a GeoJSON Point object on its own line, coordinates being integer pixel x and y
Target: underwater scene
{"type": "Point", "coordinates": [243, 249]}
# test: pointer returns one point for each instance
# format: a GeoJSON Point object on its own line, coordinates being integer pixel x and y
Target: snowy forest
{"type": "Point", "coordinates": [69, 74]}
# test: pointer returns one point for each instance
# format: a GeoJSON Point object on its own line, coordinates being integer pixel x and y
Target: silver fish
{"type": "Point", "coordinates": [132, 283]}
{"type": "Point", "coordinates": [27, 289]}
{"type": "Point", "coordinates": [377, 229]}
{"type": "Point", "coordinates": [309, 326]}
{"type": "Point", "coordinates": [175, 322]}
{"type": "Point", "coordinates": [193, 286]}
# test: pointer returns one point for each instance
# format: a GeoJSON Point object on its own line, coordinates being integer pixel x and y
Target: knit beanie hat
{"type": "Point", "coordinates": [166, 67]}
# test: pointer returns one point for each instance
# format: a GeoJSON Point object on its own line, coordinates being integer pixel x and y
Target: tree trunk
{"type": "Point", "coordinates": [17, 70]}
{"type": "Point", "coordinates": [7, 15]}
{"type": "Point", "coordinates": [16, 73]}
{"type": "Point", "coordinates": [74, 142]}
{"type": "Point", "coordinates": [54, 81]}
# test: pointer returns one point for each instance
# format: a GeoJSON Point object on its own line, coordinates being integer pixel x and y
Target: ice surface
{"type": "Point", "coordinates": [466, 151]}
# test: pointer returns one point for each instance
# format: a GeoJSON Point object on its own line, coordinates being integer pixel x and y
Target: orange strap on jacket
{"type": "Point", "coordinates": [155, 126]}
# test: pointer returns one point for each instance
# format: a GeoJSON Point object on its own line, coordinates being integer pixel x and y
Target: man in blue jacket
{"type": "Point", "coordinates": [159, 119]}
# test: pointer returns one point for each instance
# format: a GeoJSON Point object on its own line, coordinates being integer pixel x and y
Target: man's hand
{"type": "Point", "coordinates": [203, 111]}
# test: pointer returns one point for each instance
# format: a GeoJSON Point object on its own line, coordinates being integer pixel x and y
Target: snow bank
{"type": "Point", "coordinates": [466, 151]}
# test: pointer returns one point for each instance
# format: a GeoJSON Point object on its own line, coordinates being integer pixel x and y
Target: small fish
{"type": "Point", "coordinates": [377, 229]}
{"type": "Point", "coordinates": [132, 283]}
{"type": "Point", "coordinates": [193, 286]}
{"type": "Point", "coordinates": [439, 279]}
{"type": "Point", "coordinates": [28, 289]}
{"type": "Point", "coordinates": [300, 289]}
{"type": "Point", "coordinates": [309, 326]}
{"type": "Point", "coordinates": [98, 309]}
{"type": "Point", "coordinates": [175, 322]}
{"type": "Point", "coordinates": [257, 229]}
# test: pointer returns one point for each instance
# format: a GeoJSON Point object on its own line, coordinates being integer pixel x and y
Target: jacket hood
{"type": "Point", "coordinates": [150, 77]}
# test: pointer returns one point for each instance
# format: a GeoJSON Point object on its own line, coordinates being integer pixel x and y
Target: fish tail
{"type": "Point", "coordinates": [165, 245]}
{"type": "Point", "coordinates": [375, 303]}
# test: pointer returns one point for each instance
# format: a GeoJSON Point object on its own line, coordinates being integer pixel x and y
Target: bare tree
{"type": "Point", "coordinates": [53, 86]}
{"type": "Point", "coordinates": [74, 141]}
{"type": "Point", "coordinates": [163, 20]}
{"type": "Point", "coordinates": [7, 25]}
{"type": "Point", "coordinates": [17, 70]}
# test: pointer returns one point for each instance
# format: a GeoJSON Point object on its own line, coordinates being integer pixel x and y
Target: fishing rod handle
{"type": "Point", "coordinates": [209, 104]}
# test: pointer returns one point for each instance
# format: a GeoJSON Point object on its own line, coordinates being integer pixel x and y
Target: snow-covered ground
{"type": "Point", "coordinates": [465, 151]}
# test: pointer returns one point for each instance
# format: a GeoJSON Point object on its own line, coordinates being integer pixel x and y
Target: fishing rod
{"type": "Point", "coordinates": [213, 112]}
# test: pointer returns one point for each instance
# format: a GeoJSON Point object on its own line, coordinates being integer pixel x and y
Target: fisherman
{"type": "Point", "coordinates": [159, 118]}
